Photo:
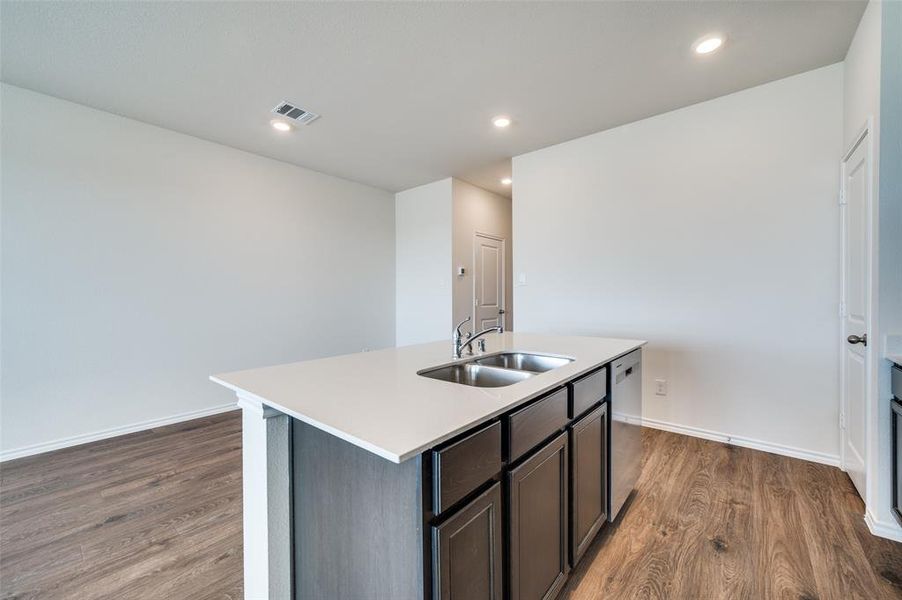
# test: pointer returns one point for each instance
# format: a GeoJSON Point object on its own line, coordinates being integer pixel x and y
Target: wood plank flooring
{"type": "Point", "coordinates": [712, 521]}
{"type": "Point", "coordinates": [157, 514]}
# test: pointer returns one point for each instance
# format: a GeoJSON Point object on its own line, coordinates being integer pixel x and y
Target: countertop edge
{"type": "Point", "coordinates": [402, 457]}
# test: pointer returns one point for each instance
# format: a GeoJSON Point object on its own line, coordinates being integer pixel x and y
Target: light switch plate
{"type": "Point", "coordinates": [660, 387]}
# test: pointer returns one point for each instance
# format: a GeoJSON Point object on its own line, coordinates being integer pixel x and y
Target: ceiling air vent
{"type": "Point", "coordinates": [298, 115]}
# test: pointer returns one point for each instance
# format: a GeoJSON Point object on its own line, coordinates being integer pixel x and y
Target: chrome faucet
{"type": "Point", "coordinates": [461, 342]}
{"type": "Point", "coordinates": [456, 336]}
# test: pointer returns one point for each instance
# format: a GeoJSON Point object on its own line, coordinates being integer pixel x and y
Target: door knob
{"type": "Point", "coordinates": [854, 339]}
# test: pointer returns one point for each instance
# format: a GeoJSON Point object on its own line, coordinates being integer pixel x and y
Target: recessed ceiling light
{"type": "Point", "coordinates": [501, 121]}
{"type": "Point", "coordinates": [507, 181]}
{"type": "Point", "coordinates": [708, 44]}
{"type": "Point", "coordinates": [280, 125]}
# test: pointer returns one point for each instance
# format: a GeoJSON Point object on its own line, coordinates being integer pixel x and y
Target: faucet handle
{"type": "Point", "coordinates": [461, 324]}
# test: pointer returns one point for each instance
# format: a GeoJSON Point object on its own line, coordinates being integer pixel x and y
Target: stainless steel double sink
{"type": "Point", "coordinates": [497, 370]}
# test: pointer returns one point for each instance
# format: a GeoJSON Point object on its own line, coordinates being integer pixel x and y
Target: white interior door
{"type": "Point", "coordinates": [855, 206]}
{"type": "Point", "coordinates": [488, 282]}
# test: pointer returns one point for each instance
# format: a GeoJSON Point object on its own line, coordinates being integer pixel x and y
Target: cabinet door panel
{"type": "Point", "coordinates": [466, 551]}
{"type": "Point", "coordinates": [539, 524]}
{"type": "Point", "coordinates": [588, 472]}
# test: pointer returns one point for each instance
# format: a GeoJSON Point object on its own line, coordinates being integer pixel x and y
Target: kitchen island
{"type": "Point", "coordinates": [363, 477]}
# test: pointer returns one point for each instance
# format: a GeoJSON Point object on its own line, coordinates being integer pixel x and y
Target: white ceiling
{"type": "Point", "coordinates": [406, 90]}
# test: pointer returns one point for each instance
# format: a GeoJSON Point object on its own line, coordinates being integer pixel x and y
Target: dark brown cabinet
{"type": "Point", "coordinates": [587, 391]}
{"type": "Point", "coordinates": [530, 426]}
{"type": "Point", "coordinates": [539, 522]}
{"type": "Point", "coordinates": [466, 551]}
{"type": "Point", "coordinates": [547, 463]}
{"type": "Point", "coordinates": [462, 466]}
{"type": "Point", "coordinates": [588, 480]}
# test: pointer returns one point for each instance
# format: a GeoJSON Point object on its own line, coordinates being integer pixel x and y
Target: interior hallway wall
{"type": "Point", "coordinates": [423, 258]}
{"type": "Point", "coordinates": [478, 210]}
{"type": "Point", "coordinates": [889, 250]}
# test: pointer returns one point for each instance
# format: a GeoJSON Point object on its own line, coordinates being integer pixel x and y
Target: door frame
{"type": "Point", "coordinates": [865, 135]}
{"type": "Point", "coordinates": [498, 238]}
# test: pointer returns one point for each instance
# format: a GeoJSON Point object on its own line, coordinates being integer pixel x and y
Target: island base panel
{"type": "Point", "coordinates": [358, 520]}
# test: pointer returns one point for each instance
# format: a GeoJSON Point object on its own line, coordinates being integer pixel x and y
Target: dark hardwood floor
{"type": "Point", "coordinates": [157, 514]}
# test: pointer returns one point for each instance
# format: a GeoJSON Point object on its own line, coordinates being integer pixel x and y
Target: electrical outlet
{"type": "Point", "coordinates": [661, 387]}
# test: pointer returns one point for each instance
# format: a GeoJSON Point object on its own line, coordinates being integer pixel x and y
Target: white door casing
{"type": "Point", "coordinates": [856, 196]}
{"type": "Point", "coordinates": [488, 281]}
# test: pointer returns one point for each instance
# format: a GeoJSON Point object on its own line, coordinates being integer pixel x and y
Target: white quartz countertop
{"type": "Point", "coordinates": [377, 401]}
{"type": "Point", "coordinates": [896, 358]}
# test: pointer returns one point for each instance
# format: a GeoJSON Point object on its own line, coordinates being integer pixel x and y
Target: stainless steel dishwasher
{"type": "Point", "coordinates": [626, 433]}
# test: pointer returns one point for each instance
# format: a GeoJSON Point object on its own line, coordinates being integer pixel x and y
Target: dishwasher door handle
{"type": "Point", "coordinates": [622, 375]}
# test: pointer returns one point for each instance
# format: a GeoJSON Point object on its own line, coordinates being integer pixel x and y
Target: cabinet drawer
{"type": "Point", "coordinates": [529, 426]}
{"type": "Point", "coordinates": [588, 391]}
{"type": "Point", "coordinates": [464, 465]}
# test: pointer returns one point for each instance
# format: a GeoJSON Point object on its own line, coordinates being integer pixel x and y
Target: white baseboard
{"type": "Point", "coordinates": [114, 432]}
{"type": "Point", "coordinates": [890, 531]}
{"type": "Point", "coordinates": [818, 457]}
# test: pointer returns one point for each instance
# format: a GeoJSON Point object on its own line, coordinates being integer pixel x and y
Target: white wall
{"type": "Point", "coordinates": [423, 261]}
{"type": "Point", "coordinates": [872, 88]}
{"type": "Point", "coordinates": [861, 85]}
{"type": "Point", "coordinates": [476, 209]}
{"type": "Point", "coordinates": [711, 231]}
{"type": "Point", "coordinates": [875, 62]}
{"type": "Point", "coordinates": [890, 233]}
{"type": "Point", "coordinates": [137, 261]}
